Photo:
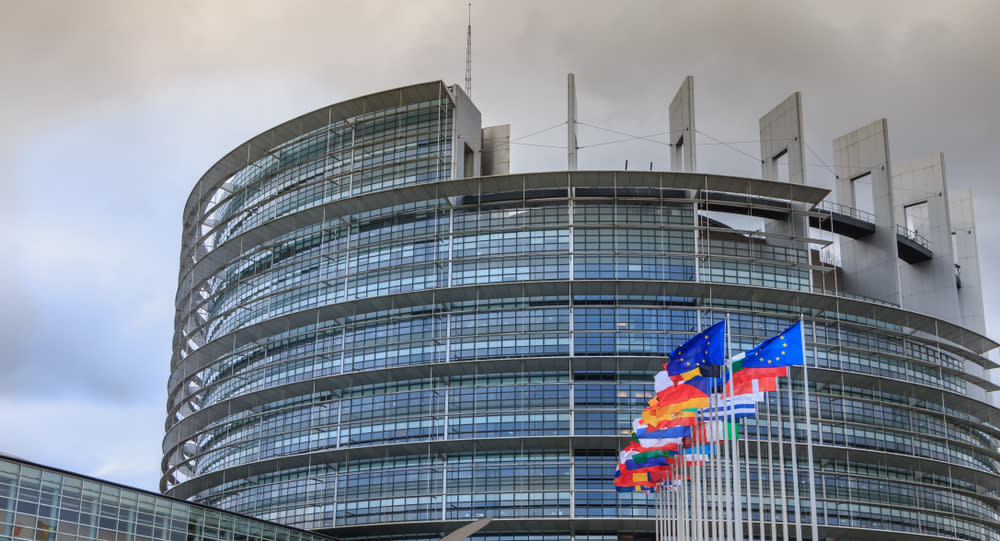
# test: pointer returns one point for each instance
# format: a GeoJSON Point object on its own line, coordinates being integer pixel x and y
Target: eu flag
{"type": "Point", "coordinates": [706, 348]}
{"type": "Point", "coordinates": [785, 349]}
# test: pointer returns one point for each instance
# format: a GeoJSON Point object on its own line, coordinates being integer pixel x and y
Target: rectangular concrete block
{"type": "Point", "coordinates": [467, 143]}
{"type": "Point", "coordinates": [781, 135]}
{"type": "Point", "coordinates": [870, 262]}
{"type": "Point", "coordinates": [682, 128]}
{"type": "Point", "coordinates": [920, 191]}
{"type": "Point", "coordinates": [496, 150]}
{"type": "Point", "coordinates": [966, 253]}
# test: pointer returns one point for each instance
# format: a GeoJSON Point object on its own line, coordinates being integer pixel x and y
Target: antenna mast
{"type": "Point", "coordinates": [468, 56]}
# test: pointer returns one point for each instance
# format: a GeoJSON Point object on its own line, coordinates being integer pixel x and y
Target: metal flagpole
{"type": "Point", "coordinates": [781, 466]}
{"type": "Point", "coordinates": [813, 522]}
{"type": "Point", "coordinates": [793, 440]}
{"type": "Point", "coordinates": [746, 467]}
{"type": "Point", "coordinates": [734, 445]}
{"type": "Point", "coordinates": [724, 454]}
{"type": "Point", "coordinates": [770, 471]}
{"type": "Point", "coordinates": [656, 515]}
{"type": "Point", "coordinates": [695, 491]}
{"type": "Point", "coordinates": [660, 488]}
{"type": "Point", "coordinates": [682, 508]}
{"type": "Point", "coordinates": [718, 479]}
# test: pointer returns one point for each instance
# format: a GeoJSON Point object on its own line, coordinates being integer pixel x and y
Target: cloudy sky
{"type": "Point", "coordinates": [111, 111]}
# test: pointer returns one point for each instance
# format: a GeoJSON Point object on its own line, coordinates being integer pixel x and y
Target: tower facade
{"type": "Point", "coordinates": [376, 337]}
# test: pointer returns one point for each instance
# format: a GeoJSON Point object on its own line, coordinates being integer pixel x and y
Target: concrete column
{"type": "Point", "coordinates": [869, 263]}
{"type": "Point", "coordinates": [927, 286]}
{"type": "Point", "coordinates": [467, 138]}
{"type": "Point", "coordinates": [781, 135]}
{"type": "Point", "coordinates": [682, 128]}
{"type": "Point", "coordinates": [496, 150]}
{"type": "Point", "coordinates": [966, 254]}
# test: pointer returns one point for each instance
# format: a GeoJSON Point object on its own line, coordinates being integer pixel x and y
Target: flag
{"type": "Point", "coordinates": [632, 480]}
{"type": "Point", "coordinates": [693, 388]}
{"type": "Point", "coordinates": [699, 453]}
{"type": "Point", "coordinates": [785, 349]}
{"type": "Point", "coordinates": [644, 432]}
{"type": "Point", "coordinates": [757, 381]}
{"type": "Point", "coordinates": [707, 347]}
{"type": "Point", "coordinates": [662, 380]}
{"type": "Point", "coordinates": [659, 443]}
{"type": "Point", "coordinates": [739, 407]}
{"type": "Point", "coordinates": [712, 431]}
{"type": "Point", "coordinates": [685, 417]}
{"type": "Point", "coordinates": [643, 457]}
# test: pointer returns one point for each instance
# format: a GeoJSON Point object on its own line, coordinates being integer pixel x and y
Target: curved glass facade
{"type": "Point", "coordinates": [362, 341]}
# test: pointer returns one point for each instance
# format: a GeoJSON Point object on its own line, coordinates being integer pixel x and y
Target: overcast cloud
{"type": "Point", "coordinates": [113, 110]}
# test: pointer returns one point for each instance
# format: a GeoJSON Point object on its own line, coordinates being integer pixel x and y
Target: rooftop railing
{"type": "Point", "coordinates": [836, 208]}
{"type": "Point", "coordinates": [914, 236]}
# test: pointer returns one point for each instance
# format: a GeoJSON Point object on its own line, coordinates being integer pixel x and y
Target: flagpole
{"type": "Point", "coordinates": [660, 495]}
{"type": "Point", "coordinates": [696, 502]}
{"type": "Point", "coordinates": [717, 479]}
{"type": "Point", "coordinates": [770, 473]}
{"type": "Point", "coordinates": [656, 514]}
{"type": "Point", "coordinates": [795, 461]}
{"type": "Point", "coordinates": [682, 508]}
{"type": "Point", "coordinates": [814, 524]}
{"type": "Point", "coordinates": [737, 503]}
{"type": "Point", "coordinates": [781, 466]}
{"type": "Point", "coordinates": [746, 466]}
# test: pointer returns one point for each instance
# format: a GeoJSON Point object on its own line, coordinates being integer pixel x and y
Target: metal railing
{"type": "Point", "coordinates": [914, 236]}
{"type": "Point", "coordinates": [836, 208]}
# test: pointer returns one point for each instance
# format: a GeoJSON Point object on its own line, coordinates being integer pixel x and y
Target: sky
{"type": "Point", "coordinates": [112, 110]}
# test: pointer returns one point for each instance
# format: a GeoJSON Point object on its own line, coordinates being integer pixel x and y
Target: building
{"type": "Point", "coordinates": [38, 503]}
{"type": "Point", "coordinates": [382, 333]}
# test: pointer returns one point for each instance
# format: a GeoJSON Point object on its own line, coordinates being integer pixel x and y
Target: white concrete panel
{"type": "Point", "coordinates": [781, 134]}
{"type": "Point", "coordinates": [966, 254]}
{"type": "Point", "coordinates": [869, 263]}
{"type": "Point", "coordinates": [682, 128]}
{"type": "Point", "coordinates": [496, 150]}
{"type": "Point", "coordinates": [926, 286]}
{"type": "Point", "coordinates": [467, 137]}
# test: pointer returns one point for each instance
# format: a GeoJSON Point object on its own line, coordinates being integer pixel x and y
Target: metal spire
{"type": "Point", "coordinates": [468, 56]}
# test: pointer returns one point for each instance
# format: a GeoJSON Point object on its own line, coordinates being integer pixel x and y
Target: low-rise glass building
{"type": "Point", "coordinates": [39, 503]}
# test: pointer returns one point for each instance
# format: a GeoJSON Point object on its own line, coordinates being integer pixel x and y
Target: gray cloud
{"type": "Point", "coordinates": [116, 108]}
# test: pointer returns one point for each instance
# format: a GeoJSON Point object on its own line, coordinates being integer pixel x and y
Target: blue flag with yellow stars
{"type": "Point", "coordinates": [785, 349]}
{"type": "Point", "coordinates": [706, 348]}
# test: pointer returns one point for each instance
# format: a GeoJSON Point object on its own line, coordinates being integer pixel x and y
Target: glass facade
{"type": "Point", "coordinates": [365, 345]}
{"type": "Point", "coordinates": [43, 504]}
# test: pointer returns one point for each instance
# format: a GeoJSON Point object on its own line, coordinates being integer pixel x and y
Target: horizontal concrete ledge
{"type": "Point", "coordinates": [808, 303]}
{"type": "Point", "coordinates": [265, 142]}
{"type": "Point", "coordinates": [987, 481]}
{"type": "Point", "coordinates": [594, 526]}
{"type": "Point", "coordinates": [219, 256]}
{"type": "Point", "coordinates": [194, 424]}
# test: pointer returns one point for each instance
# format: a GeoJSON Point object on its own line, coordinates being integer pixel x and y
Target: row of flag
{"type": "Point", "coordinates": [701, 395]}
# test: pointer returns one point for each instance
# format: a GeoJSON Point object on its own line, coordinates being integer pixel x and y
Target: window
{"type": "Point", "coordinates": [917, 218]}
{"type": "Point", "coordinates": [861, 189]}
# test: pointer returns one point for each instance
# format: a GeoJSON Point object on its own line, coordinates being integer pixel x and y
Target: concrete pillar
{"type": "Point", "coordinates": [869, 263]}
{"type": "Point", "coordinates": [682, 128]}
{"type": "Point", "coordinates": [467, 141]}
{"type": "Point", "coordinates": [926, 286]}
{"type": "Point", "coordinates": [966, 254]}
{"type": "Point", "coordinates": [781, 136]}
{"type": "Point", "coordinates": [496, 150]}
